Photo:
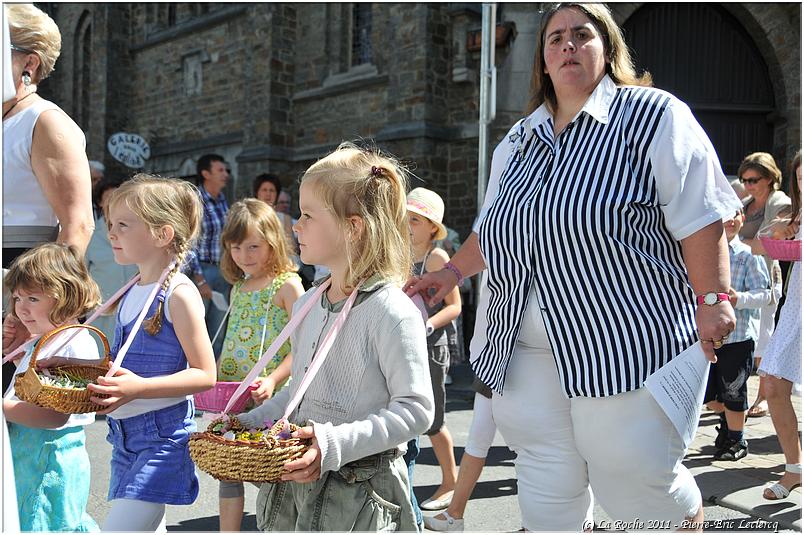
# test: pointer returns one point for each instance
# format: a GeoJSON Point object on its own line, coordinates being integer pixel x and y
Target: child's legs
{"type": "Point", "coordinates": [438, 433]}
{"type": "Point", "coordinates": [481, 435]}
{"type": "Point", "coordinates": [231, 495]}
{"type": "Point", "coordinates": [135, 515]}
{"type": "Point", "coordinates": [734, 368]}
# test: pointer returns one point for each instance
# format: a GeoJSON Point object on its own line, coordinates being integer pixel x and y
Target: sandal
{"type": "Point", "coordinates": [778, 490]}
{"type": "Point", "coordinates": [758, 409]}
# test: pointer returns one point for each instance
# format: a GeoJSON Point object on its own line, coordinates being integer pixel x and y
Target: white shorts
{"type": "Point", "coordinates": [621, 447]}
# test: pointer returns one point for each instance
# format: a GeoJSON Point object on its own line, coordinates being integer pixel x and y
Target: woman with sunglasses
{"type": "Point", "coordinates": [761, 178]}
{"type": "Point", "coordinates": [47, 189]}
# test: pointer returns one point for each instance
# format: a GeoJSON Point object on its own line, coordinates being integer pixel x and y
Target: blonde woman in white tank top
{"type": "Point", "coordinates": [46, 179]}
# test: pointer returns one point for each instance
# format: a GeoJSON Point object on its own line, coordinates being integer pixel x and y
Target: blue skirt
{"type": "Point", "coordinates": [151, 456]}
{"type": "Point", "coordinates": [52, 474]}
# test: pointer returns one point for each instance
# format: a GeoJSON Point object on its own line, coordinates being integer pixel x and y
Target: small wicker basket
{"type": "Point", "coordinates": [29, 387]}
{"type": "Point", "coordinates": [238, 460]}
{"type": "Point", "coordinates": [215, 399]}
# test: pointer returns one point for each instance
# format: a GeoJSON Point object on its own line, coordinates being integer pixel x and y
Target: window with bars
{"type": "Point", "coordinates": [361, 34]}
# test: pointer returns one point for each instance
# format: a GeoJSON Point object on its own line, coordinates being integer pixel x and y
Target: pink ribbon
{"type": "Point", "coordinates": [101, 309]}
{"type": "Point", "coordinates": [123, 350]}
{"type": "Point", "coordinates": [317, 361]}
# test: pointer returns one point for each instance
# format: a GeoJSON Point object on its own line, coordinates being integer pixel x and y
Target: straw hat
{"type": "Point", "coordinates": [430, 205]}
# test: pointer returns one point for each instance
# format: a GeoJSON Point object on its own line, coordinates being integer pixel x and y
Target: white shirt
{"type": "Point", "coordinates": [83, 347]}
{"type": "Point", "coordinates": [584, 227]}
{"type": "Point", "coordinates": [27, 215]}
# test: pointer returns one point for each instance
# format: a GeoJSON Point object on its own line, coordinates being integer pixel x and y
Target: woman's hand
{"type": "Point", "coordinates": [442, 281]}
{"type": "Point", "coordinates": [784, 230]}
{"type": "Point", "coordinates": [715, 323]}
{"type": "Point", "coordinates": [308, 467]}
{"type": "Point", "coordinates": [122, 387]}
{"type": "Point", "coordinates": [14, 334]}
{"type": "Point", "coordinates": [264, 389]}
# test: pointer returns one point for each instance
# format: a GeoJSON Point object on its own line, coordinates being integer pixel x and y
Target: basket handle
{"type": "Point", "coordinates": [43, 341]}
{"type": "Point", "coordinates": [113, 299]}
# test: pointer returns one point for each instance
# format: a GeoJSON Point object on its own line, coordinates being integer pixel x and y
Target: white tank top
{"type": "Point", "coordinates": [28, 218]}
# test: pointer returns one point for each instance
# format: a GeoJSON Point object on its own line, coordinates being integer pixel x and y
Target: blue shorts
{"type": "Point", "coordinates": [151, 458]}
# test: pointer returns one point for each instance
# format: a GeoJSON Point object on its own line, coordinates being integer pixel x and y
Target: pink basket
{"type": "Point", "coordinates": [215, 399]}
{"type": "Point", "coordinates": [785, 250]}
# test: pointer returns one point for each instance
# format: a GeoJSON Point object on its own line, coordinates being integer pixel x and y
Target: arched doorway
{"type": "Point", "coordinates": [703, 55]}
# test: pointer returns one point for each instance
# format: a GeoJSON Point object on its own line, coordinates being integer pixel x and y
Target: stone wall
{"type": "Point", "coordinates": [274, 86]}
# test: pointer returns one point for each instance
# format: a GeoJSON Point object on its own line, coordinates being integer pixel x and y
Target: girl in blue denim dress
{"type": "Point", "coordinates": [152, 223]}
{"type": "Point", "coordinates": [50, 287]}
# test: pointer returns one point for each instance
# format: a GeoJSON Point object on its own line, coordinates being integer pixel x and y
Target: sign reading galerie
{"type": "Point", "coordinates": [129, 149]}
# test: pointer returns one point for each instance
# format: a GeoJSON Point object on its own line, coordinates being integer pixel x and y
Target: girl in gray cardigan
{"type": "Point", "coordinates": [373, 392]}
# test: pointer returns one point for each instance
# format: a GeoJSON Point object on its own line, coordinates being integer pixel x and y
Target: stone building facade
{"type": "Point", "coordinates": [274, 86]}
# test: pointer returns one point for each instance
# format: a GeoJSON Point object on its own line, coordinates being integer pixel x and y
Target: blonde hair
{"type": "Point", "coordinates": [58, 271]}
{"type": "Point", "coordinates": [256, 216]}
{"type": "Point", "coordinates": [32, 29]}
{"type": "Point", "coordinates": [160, 202]}
{"type": "Point", "coordinates": [619, 64]}
{"type": "Point", "coordinates": [366, 183]}
{"type": "Point", "coordinates": [764, 164]}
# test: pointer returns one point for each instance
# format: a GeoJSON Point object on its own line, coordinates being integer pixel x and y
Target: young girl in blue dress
{"type": "Point", "coordinates": [50, 287]}
{"type": "Point", "coordinates": [152, 223]}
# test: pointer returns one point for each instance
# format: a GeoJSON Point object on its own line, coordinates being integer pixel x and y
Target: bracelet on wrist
{"type": "Point", "coordinates": [449, 266]}
{"type": "Point", "coordinates": [200, 283]}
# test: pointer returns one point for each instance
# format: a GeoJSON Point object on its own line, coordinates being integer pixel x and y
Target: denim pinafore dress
{"type": "Point", "coordinates": [150, 454]}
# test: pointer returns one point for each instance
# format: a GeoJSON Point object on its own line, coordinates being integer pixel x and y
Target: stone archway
{"type": "Point", "coordinates": [775, 32]}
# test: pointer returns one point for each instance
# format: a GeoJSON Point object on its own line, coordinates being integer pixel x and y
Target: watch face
{"type": "Point", "coordinates": [710, 298]}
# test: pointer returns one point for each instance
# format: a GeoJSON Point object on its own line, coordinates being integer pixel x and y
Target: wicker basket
{"type": "Point", "coordinates": [237, 460]}
{"type": "Point", "coordinates": [215, 399]}
{"type": "Point", "coordinates": [29, 387]}
{"type": "Point", "coordinates": [784, 250]}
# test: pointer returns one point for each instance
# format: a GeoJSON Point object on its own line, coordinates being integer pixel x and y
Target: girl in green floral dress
{"type": "Point", "coordinates": [256, 261]}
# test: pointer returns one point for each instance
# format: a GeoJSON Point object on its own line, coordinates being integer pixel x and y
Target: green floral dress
{"type": "Point", "coordinates": [253, 312]}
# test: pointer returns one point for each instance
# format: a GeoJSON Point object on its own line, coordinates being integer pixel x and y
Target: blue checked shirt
{"type": "Point", "coordinates": [208, 249]}
{"type": "Point", "coordinates": [748, 274]}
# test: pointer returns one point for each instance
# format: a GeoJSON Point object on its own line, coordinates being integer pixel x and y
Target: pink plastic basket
{"type": "Point", "coordinates": [785, 250]}
{"type": "Point", "coordinates": [215, 399]}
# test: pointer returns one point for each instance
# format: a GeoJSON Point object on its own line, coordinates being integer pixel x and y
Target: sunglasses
{"type": "Point", "coordinates": [751, 181]}
{"type": "Point", "coordinates": [20, 49]}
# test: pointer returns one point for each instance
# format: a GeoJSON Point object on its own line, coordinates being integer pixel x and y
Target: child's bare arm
{"type": "Point", "coordinates": [201, 375]}
{"type": "Point", "coordinates": [29, 415]}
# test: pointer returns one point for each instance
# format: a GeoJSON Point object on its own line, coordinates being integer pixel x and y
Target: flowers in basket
{"type": "Point", "coordinates": [229, 427]}
{"type": "Point", "coordinates": [64, 379]}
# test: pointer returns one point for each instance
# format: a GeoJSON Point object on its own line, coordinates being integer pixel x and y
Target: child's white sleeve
{"type": "Point", "coordinates": [753, 299]}
{"type": "Point", "coordinates": [403, 360]}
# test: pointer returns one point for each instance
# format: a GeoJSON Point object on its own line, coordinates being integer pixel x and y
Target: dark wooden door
{"type": "Point", "coordinates": [703, 55]}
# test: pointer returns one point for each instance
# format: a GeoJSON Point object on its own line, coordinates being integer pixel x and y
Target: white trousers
{"type": "Point", "coordinates": [482, 429]}
{"type": "Point", "coordinates": [135, 515]}
{"type": "Point", "coordinates": [623, 448]}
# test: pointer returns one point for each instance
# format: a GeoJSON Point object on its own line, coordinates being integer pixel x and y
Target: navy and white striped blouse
{"type": "Point", "coordinates": [591, 222]}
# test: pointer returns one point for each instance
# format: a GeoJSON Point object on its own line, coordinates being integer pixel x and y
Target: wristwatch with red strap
{"type": "Point", "coordinates": [711, 298]}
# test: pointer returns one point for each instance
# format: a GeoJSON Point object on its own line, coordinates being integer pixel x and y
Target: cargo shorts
{"type": "Point", "coordinates": [370, 494]}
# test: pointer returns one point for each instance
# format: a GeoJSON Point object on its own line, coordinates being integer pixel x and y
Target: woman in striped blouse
{"type": "Point", "coordinates": [601, 225]}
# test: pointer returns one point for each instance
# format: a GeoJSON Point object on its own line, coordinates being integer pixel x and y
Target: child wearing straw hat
{"type": "Point", "coordinates": [425, 214]}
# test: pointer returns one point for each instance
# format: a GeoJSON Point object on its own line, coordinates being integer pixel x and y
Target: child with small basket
{"type": "Point", "coordinates": [256, 261]}
{"type": "Point", "coordinates": [373, 393]}
{"type": "Point", "coordinates": [50, 288]}
{"type": "Point", "coordinates": [150, 412]}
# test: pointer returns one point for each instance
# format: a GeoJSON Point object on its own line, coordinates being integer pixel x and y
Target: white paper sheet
{"type": "Point", "coordinates": [679, 387]}
{"type": "Point", "coordinates": [219, 301]}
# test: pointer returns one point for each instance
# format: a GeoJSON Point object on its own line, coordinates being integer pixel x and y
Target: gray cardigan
{"type": "Point", "coordinates": [373, 392]}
